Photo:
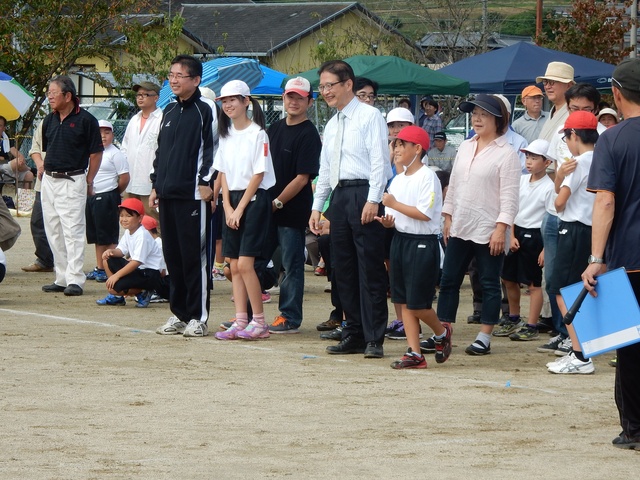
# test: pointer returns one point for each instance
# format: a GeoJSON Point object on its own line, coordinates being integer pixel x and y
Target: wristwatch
{"type": "Point", "coordinates": [278, 203]}
{"type": "Point", "coordinates": [593, 259]}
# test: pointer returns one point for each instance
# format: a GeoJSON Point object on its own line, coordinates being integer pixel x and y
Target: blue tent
{"type": "Point", "coordinates": [508, 70]}
{"type": "Point", "coordinates": [270, 83]}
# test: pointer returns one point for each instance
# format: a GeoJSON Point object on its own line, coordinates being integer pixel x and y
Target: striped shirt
{"type": "Point", "coordinates": [365, 154]}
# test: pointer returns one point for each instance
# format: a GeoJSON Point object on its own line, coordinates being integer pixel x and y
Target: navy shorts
{"type": "Point", "coordinates": [140, 278]}
{"type": "Point", "coordinates": [103, 218]}
{"type": "Point", "coordinates": [574, 248]}
{"type": "Point", "coordinates": [415, 269]}
{"type": "Point", "coordinates": [250, 240]}
{"type": "Point", "coordinates": [522, 266]}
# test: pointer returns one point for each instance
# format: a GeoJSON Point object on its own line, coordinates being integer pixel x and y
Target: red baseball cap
{"type": "Point", "coordinates": [415, 135]}
{"type": "Point", "coordinates": [580, 120]}
{"type": "Point", "coordinates": [133, 204]}
{"type": "Point", "coordinates": [149, 222]}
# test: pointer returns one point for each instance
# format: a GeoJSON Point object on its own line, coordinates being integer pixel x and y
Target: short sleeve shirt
{"type": "Point", "coordinates": [579, 207]}
{"type": "Point", "coordinates": [142, 248]}
{"type": "Point", "coordinates": [70, 143]}
{"type": "Point", "coordinates": [295, 151]}
{"type": "Point", "coordinates": [615, 169]}
{"type": "Point", "coordinates": [423, 191]}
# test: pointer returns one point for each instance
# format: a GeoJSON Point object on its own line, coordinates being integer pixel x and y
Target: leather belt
{"type": "Point", "coordinates": [68, 175]}
{"type": "Point", "coordinates": [353, 183]}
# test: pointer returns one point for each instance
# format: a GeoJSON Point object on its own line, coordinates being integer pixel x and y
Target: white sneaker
{"type": "Point", "coordinates": [173, 327]}
{"type": "Point", "coordinates": [559, 361]}
{"type": "Point", "coordinates": [196, 329]}
{"type": "Point", "coordinates": [573, 365]}
{"type": "Point", "coordinates": [274, 291]}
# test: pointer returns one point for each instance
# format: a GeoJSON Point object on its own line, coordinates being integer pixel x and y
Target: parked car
{"type": "Point", "coordinates": [116, 110]}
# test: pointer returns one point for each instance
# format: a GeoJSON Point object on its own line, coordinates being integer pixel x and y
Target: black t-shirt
{"type": "Point", "coordinates": [5, 155]}
{"type": "Point", "coordinates": [295, 150]}
{"type": "Point", "coordinates": [616, 169]}
{"type": "Point", "coordinates": [69, 143]}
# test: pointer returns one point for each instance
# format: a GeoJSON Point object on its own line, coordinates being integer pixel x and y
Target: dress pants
{"type": "Point", "coordinates": [358, 259]}
{"type": "Point", "coordinates": [44, 254]}
{"type": "Point", "coordinates": [63, 206]}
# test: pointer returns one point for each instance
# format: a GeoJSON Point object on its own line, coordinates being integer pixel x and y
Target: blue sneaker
{"type": "Point", "coordinates": [112, 300]}
{"type": "Point", "coordinates": [101, 276]}
{"type": "Point", "coordinates": [94, 273]}
{"type": "Point", "coordinates": [144, 298]}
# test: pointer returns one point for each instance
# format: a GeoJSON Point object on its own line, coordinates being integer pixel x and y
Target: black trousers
{"type": "Point", "coordinates": [358, 258]}
{"type": "Point", "coordinates": [185, 228]}
{"type": "Point", "coordinates": [43, 250]}
{"type": "Point", "coordinates": [324, 246]}
{"type": "Point", "coordinates": [627, 385]}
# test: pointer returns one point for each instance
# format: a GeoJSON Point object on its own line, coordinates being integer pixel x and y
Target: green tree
{"type": "Point", "coordinates": [44, 38]}
{"type": "Point", "coordinates": [593, 28]}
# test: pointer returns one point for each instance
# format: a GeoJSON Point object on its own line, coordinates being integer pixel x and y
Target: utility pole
{"type": "Point", "coordinates": [539, 17]}
{"type": "Point", "coordinates": [633, 40]}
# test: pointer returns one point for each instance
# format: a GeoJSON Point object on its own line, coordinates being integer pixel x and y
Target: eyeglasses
{"type": "Point", "coordinates": [52, 94]}
{"type": "Point", "coordinates": [548, 83]}
{"type": "Point", "coordinates": [564, 137]}
{"type": "Point", "coordinates": [178, 76]}
{"type": "Point", "coordinates": [618, 84]}
{"type": "Point", "coordinates": [366, 96]}
{"type": "Point", "coordinates": [145, 95]}
{"type": "Point", "coordinates": [575, 108]}
{"type": "Point", "coordinates": [329, 86]}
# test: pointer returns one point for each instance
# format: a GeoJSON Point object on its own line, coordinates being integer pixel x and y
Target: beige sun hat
{"type": "Point", "coordinates": [557, 71]}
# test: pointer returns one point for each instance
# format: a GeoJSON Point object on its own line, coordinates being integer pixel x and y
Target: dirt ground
{"type": "Point", "coordinates": [91, 392]}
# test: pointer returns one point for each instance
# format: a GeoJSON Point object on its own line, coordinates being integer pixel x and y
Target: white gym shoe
{"type": "Point", "coordinates": [174, 326]}
{"type": "Point", "coordinates": [573, 365]}
{"type": "Point", "coordinates": [559, 361]}
{"type": "Point", "coordinates": [196, 329]}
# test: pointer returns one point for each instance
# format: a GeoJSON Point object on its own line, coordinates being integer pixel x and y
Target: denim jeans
{"type": "Point", "coordinates": [549, 230]}
{"type": "Point", "coordinates": [456, 260]}
{"type": "Point", "coordinates": [291, 241]}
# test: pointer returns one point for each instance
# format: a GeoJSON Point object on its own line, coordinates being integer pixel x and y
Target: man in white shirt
{"type": "Point", "coordinates": [140, 143]}
{"type": "Point", "coordinates": [354, 162]}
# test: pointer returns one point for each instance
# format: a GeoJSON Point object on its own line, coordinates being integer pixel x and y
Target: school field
{"type": "Point", "coordinates": [91, 392]}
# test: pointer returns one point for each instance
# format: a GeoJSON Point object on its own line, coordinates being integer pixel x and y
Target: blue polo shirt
{"type": "Point", "coordinates": [69, 143]}
{"type": "Point", "coordinates": [616, 169]}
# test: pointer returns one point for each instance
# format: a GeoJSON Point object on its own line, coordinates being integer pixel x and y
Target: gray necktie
{"type": "Point", "coordinates": [334, 176]}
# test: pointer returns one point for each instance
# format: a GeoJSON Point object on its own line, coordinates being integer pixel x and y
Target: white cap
{"type": "Point", "coordinates": [299, 85]}
{"type": "Point", "coordinates": [608, 111]}
{"type": "Point", "coordinates": [400, 114]}
{"type": "Point", "coordinates": [505, 101]}
{"type": "Point", "coordinates": [233, 88]}
{"type": "Point", "coordinates": [206, 92]}
{"type": "Point", "coordinates": [537, 147]}
{"type": "Point", "coordinates": [105, 124]}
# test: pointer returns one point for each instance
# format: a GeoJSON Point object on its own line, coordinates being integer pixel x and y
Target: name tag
{"type": "Point", "coordinates": [527, 235]}
{"type": "Point", "coordinates": [422, 246]}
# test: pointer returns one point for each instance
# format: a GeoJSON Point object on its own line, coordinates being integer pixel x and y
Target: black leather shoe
{"type": "Point", "coordinates": [347, 346]}
{"type": "Point", "coordinates": [373, 350]}
{"type": "Point", "coordinates": [475, 318]}
{"type": "Point", "coordinates": [335, 334]}
{"type": "Point", "coordinates": [626, 442]}
{"type": "Point", "coordinates": [73, 290]}
{"type": "Point", "coordinates": [53, 288]}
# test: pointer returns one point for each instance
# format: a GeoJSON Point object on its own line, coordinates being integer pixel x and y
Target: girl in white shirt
{"type": "Point", "coordinates": [246, 171]}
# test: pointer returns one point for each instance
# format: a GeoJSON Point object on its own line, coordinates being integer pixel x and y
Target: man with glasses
{"type": "Point", "coordinates": [354, 162]}
{"type": "Point", "coordinates": [556, 80]}
{"type": "Point", "coordinates": [181, 188]}
{"type": "Point", "coordinates": [531, 122]}
{"type": "Point", "coordinates": [366, 90]}
{"type": "Point", "coordinates": [140, 142]}
{"type": "Point", "coordinates": [73, 146]}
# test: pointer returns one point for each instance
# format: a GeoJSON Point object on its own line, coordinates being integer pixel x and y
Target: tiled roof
{"type": "Point", "coordinates": [249, 29]}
